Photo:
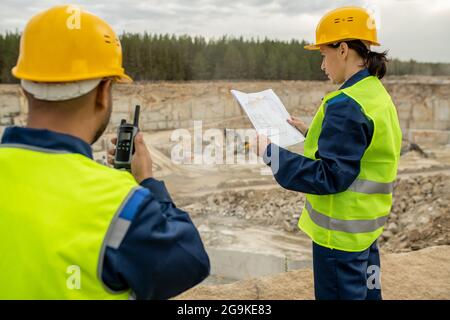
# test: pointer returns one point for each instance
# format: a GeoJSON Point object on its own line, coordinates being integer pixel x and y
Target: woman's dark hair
{"type": "Point", "coordinates": [374, 61]}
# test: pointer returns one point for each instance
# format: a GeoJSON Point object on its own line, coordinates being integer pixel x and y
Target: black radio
{"type": "Point", "coordinates": [125, 142]}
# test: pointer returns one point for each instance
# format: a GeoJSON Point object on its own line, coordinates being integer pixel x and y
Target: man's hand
{"type": "Point", "coordinates": [141, 162]}
{"type": "Point", "coordinates": [299, 124]}
{"type": "Point", "coordinates": [263, 142]}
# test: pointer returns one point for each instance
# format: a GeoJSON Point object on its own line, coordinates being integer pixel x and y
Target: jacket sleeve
{"type": "Point", "coordinates": [161, 254]}
{"type": "Point", "coordinates": [346, 133]}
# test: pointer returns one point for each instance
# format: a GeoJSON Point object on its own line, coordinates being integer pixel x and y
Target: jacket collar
{"type": "Point", "coordinates": [355, 78]}
{"type": "Point", "coordinates": [46, 139]}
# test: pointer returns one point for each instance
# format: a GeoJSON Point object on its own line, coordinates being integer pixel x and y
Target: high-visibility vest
{"type": "Point", "coordinates": [58, 212]}
{"type": "Point", "coordinates": [352, 220]}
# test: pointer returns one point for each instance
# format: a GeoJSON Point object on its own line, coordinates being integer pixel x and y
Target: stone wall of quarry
{"type": "Point", "coordinates": [423, 104]}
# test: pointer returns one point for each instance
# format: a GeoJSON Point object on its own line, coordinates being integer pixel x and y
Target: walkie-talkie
{"type": "Point", "coordinates": [125, 141]}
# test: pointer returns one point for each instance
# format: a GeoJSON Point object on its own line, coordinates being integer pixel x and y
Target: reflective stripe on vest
{"type": "Point", "coordinates": [371, 187]}
{"type": "Point", "coordinates": [350, 226]}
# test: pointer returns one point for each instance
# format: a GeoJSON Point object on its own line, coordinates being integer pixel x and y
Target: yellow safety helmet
{"type": "Point", "coordinates": [66, 44]}
{"type": "Point", "coordinates": [346, 23]}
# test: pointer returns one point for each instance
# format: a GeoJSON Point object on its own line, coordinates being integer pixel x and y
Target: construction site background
{"type": "Point", "coordinates": [249, 223]}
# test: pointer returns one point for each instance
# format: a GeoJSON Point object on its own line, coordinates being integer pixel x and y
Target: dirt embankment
{"type": "Point", "coordinates": [423, 274]}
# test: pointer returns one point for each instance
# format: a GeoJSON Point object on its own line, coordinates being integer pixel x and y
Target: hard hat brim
{"type": "Point", "coordinates": [316, 46]}
{"type": "Point", "coordinates": [118, 76]}
{"type": "Point", "coordinates": [124, 79]}
{"type": "Point", "coordinates": [311, 47]}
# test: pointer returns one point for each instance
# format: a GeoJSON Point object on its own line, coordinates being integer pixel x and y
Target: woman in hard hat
{"type": "Point", "coordinates": [350, 160]}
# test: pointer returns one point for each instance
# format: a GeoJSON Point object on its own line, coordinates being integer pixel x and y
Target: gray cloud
{"type": "Point", "coordinates": [409, 28]}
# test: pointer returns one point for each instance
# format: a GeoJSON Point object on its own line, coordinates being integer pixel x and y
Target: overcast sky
{"type": "Point", "coordinates": [416, 29]}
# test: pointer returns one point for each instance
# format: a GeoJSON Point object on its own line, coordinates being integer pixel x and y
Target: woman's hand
{"type": "Point", "coordinates": [299, 124]}
{"type": "Point", "coordinates": [263, 142]}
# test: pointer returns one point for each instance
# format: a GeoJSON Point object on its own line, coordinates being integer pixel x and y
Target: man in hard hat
{"type": "Point", "coordinates": [350, 160]}
{"type": "Point", "coordinates": [72, 228]}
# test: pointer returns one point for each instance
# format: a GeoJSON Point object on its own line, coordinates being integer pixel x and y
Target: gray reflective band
{"type": "Point", "coordinates": [350, 226]}
{"type": "Point", "coordinates": [118, 232]}
{"type": "Point", "coordinates": [371, 187]}
{"type": "Point", "coordinates": [114, 237]}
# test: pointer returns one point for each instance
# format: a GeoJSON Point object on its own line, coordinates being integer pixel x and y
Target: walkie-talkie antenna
{"type": "Point", "coordinates": [136, 115]}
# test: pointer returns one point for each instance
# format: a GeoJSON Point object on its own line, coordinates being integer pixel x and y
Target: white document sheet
{"type": "Point", "coordinates": [268, 115]}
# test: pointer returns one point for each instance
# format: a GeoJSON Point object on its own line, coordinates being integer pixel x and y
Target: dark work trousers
{"type": "Point", "coordinates": [342, 275]}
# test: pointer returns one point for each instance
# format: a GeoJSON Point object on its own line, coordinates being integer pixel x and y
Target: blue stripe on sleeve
{"type": "Point", "coordinates": [131, 207]}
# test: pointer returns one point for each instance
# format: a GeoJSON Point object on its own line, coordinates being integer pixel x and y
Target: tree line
{"type": "Point", "coordinates": [155, 57]}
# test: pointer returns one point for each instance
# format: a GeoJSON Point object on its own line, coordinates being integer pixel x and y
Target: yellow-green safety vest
{"type": "Point", "coordinates": [352, 220]}
{"type": "Point", "coordinates": [58, 212]}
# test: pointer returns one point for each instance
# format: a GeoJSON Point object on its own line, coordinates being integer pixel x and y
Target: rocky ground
{"type": "Point", "coordinates": [274, 207]}
{"type": "Point", "coordinates": [420, 215]}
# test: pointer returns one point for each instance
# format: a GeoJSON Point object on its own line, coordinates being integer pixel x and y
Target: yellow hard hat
{"type": "Point", "coordinates": [65, 44]}
{"type": "Point", "coordinates": [346, 23]}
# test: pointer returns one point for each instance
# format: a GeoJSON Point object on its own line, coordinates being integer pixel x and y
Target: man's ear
{"type": "Point", "coordinates": [103, 94]}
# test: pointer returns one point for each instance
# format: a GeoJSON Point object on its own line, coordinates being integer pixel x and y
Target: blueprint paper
{"type": "Point", "coordinates": [268, 115]}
